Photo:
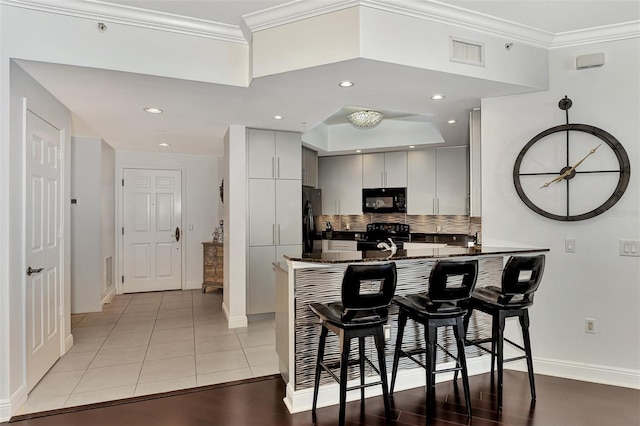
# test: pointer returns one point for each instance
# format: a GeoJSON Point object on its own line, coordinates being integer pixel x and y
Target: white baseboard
{"type": "Point", "coordinates": [68, 343]}
{"type": "Point", "coordinates": [11, 405]}
{"type": "Point", "coordinates": [193, 285]}
{"type": "Point", "coordinates": [302, 400]}
{"type": "Point", "coordinates": [602, 374]}
{"type": "Point", "coordinates": [109, 295]}
{"type": "Point", "coordinates": [234, 322]}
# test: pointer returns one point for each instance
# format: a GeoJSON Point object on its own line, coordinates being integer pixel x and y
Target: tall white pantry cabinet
{"type": "Point", "coordinates": [275, 210]}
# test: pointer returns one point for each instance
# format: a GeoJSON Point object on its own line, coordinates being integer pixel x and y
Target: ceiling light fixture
{"type": "Point", "coordinates": [437, 97]}
{"type": "Point", "coordinates": [153, 110]}
{"type": "Point", "coordinates": [412, 146]}
{"type": "Point", "coordinates": [346, 83]}
{"type": "Point", "coordinates": [164, 144]}
{"type": "Point", "coordinates": [365, 119]}
{"type": "Point", "coordinates": [277, 117]}
{"type": "Point", "coordinates": [451, 121]}
{"type": "Point", "coordinates": [358, 150]}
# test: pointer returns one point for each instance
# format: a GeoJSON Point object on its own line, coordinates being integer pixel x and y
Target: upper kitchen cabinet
{"type": "Point", "coordinates": [340, 179]}
{"type": "Point", "coordinates": [384, 170]}
{"type": "Point", "coordinates": [274, 154]}
{"type": "Point", "coordinates": [309, 167]}
{"type": "Point", "coordinates": [438, 181]}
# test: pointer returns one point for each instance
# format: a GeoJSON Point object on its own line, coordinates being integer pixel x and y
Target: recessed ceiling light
{"type": "Point", "coordinates": [346, 83]}
{"type": "Point", "coordinates": [437, 97]}
{"type": "Point", "coordinates": [412, 146]}
{"type": "Point", "coordinates": [358, 150]}
{"type": "Point", "coordinates": [153, 110]}
{"type": "Point", "coordinates": [277, 117]}
{"type": "Point", "coordinates": [451, 121]}
{"type": "Point", "coordinates": [164, 144]}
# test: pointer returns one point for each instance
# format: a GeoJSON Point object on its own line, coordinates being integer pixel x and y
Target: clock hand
{"type": "Point", "coordinates": [571, 169]}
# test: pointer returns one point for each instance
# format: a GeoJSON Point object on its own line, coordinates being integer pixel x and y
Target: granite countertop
{"type": "Point", "coordinates": [424, 253]}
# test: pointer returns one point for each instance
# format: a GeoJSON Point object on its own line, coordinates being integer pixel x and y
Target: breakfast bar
{"type": "Point", "coordinates": [317, 277]}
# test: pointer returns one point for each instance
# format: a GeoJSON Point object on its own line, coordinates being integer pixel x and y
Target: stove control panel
{"type": "Point", "coordinates": [388, 228]}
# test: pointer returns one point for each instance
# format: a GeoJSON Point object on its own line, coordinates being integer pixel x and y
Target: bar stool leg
{"type": "Point", "coordinates": [500, 355]}
{"type": "Point", "coordinates": [379, 340]}
{"type": "Point", "coordinates": [316, 384]}
{"type": "Point", "coordinates": [344, 368]}
{"type": "Point", "coordinates": [402, 321]}
{"type": "Point", "coordinates": [430, 343]}
{"type": "Point", "coordinates": [524, 324]}
{"type": "Point", "coordinates": [458, 331]}
{"type": "Point", "coordinates": [361, 355]}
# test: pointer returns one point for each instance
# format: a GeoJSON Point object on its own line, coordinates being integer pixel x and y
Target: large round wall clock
{"type": "Point", "coordinates": [571, 172]}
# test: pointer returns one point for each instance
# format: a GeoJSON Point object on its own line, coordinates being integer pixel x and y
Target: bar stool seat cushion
{"type": "Point", "coordinates": [491, 298]}
{"type": "Point", "coordinates": [420, 305]}
{"type": "Point", "coordinates": [335, 313]}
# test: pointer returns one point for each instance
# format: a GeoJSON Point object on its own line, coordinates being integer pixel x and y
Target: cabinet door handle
{"type": "Point", "coordinates": [278, 160]}
{"type": "Point", "coordinates": [273, 166]}
{"type": "Point", "coordinates": [273, 234]}
{"type": "Point", "coordinates": [278, 234]}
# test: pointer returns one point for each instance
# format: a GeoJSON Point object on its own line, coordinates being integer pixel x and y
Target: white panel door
{"type": "Point", "coordinates": [43, 252]}
{"type": "Point", "coordinates": [262, 153]}
{"type": "Point", "coordinates": [152, 230]}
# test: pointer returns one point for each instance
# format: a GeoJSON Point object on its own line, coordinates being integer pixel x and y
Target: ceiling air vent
{"type": "Point", "coordinates": [466, 52]}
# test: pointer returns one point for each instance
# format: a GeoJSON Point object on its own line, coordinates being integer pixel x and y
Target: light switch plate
{"type": "Point", "coordinates": [630, 248]}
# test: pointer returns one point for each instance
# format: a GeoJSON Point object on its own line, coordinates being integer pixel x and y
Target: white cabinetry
{"type": "Point", "coordinates": [340, 179]}
{"type": "Point", "coordinates": [384, 170]}
{"type": "Point", "coordinates": [438, 181]}
{"type": "Point", "coordinates": [275, 211]}
{"type": "Point", "coordinates": [274, 154]}
{"type": "Point", "coordinates": [309, 167]}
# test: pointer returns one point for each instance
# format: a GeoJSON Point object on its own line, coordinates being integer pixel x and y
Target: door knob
{"type": "Point", "coordinates": [30, 270]}
{"type": "Point", "coordinates": [177, 234]}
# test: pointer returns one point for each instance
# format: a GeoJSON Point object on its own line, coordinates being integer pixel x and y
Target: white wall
{"type": "Point", "coordinates": [200, 200]}
{"type": "Point", "coordinates": [92, 223]}
{"type": "Point", "coordinates": [594, 282]}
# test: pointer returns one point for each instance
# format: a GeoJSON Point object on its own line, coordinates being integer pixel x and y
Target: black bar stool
{"type": "Point", "coordinates": [367, 291]}
{"type": "Point", "coordinates": [450, 285]}
{"type": "Point", "coordinates": [520, 279]}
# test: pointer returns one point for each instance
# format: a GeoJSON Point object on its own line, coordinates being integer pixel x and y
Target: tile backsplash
{"type": "Point", "coordinates": [428, 224]}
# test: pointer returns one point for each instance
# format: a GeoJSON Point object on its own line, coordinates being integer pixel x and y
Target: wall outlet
{"type": "Point", "coordinates": [590, 326]}
{"type": "Point", "coordinates": [569, 245]}
{"type": "Point", "coordinates": [387, 331]}
{"type": "Point", "coordinates": [630, 248]}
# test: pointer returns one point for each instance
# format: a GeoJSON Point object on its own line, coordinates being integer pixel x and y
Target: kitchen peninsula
{"type": "Point", "coordinates": [317, 277]}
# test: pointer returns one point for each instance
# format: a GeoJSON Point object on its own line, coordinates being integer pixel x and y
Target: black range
{"type": "Point", "coordinates": [381, 232]}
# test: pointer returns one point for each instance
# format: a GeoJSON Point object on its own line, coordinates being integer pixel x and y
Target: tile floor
{"type": "Point", "coordinates": [154, 342]}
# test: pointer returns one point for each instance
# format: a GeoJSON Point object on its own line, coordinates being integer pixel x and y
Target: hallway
{"type": "Point", "coordinates": [148, 343]}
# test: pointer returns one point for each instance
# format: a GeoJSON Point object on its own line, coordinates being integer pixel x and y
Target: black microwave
{"type": "Point", "coordinates": [384, 200]}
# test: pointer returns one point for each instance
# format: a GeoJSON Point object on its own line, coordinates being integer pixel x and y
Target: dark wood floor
{"type": "Point", "coordinates": [258, 402]}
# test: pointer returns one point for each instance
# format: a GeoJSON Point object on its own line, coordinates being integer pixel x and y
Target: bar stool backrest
{"type": "Point", "coordinates": [452, 281]}
{"type": "Point", "coordinates": [368, 288]}
{"type": "Point", "coordinates": [521, 278]}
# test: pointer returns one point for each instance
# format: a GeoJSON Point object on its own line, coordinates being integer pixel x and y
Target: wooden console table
{"type": "Point", "coordinates": [212, 265]}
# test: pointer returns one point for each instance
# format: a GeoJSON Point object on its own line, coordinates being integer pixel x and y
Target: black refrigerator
{"type": "Point", "coordinates": [311, 206]}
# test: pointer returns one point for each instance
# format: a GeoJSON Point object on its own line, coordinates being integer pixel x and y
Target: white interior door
{"type": "Point", "coordinates": [42, 242]}
{"type": "Point", "coordinates": [152, 252]}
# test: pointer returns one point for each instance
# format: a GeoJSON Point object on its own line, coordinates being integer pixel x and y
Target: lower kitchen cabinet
{"type": "Point", "coordinates": [261, 288]}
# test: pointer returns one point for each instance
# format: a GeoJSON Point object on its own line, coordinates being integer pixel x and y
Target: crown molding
{"type": "Point", "coordinates": [119, 14]}
{"type": "Point", "coordinates": [297, 10]}
{"type": "Point", "coordinates": [607, 33]}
